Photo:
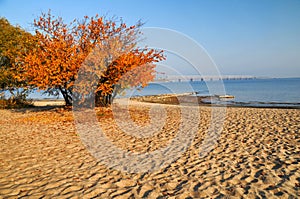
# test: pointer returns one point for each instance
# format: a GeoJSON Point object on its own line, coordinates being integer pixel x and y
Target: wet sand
{"type": "Point", "coordinates": [256, 156]}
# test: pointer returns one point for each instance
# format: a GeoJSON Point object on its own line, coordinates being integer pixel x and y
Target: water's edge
{"type": "Point", "coordinates": [191, 100]}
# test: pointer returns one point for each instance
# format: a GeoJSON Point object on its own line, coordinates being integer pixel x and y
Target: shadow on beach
{"type": "Point", "coordinates": [43, 105]}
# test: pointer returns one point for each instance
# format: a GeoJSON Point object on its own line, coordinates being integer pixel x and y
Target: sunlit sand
{"type": "Point", "coordinates": [257, 154]}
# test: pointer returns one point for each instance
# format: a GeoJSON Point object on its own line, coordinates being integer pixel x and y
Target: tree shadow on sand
{"type": "Point", "coordinates": [55, 108]}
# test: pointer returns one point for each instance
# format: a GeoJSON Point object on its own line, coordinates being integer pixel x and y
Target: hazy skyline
{"type": "Point", "coordinates": [259, 38]}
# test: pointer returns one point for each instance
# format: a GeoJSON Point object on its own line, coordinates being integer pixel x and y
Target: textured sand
{"type": "Point", "coordinates": [48, 102]}
{"type": "Point", "coordinates": [257, 156]}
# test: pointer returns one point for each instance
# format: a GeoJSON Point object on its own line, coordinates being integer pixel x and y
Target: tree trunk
{"type": "Point", "coordinates": [66, 96]}
{"type": "Point", "coordinates": [101, 100]}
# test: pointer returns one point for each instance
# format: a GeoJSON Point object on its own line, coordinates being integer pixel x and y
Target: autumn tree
{"type": "Point", "coordinates": [131, 69]}
{"type": "Point", "coordinates": [103, 50]}
{"type": "Point", "coordinates": [14, 43]}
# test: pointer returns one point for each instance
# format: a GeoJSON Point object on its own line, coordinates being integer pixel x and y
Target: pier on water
{"type": "Point", "coordinates": [191, 78]}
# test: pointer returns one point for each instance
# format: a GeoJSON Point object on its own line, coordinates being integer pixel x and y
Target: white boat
{"type": "Point", "coordinates": [226, 96]}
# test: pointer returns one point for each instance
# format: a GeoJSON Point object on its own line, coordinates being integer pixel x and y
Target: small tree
{"type": "Point", "coordinates": [103, 48]}
{"type": "Point", "coordinates": [14, 43]}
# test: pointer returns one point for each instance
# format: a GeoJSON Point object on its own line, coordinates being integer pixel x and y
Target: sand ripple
{"type": "Point", "coordinates": [257, 156]}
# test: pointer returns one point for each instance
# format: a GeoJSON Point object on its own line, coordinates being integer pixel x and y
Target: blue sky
{"type": "Point", "coordinates": [255, 37]}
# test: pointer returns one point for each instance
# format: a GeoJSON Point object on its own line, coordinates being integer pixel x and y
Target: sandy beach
{"type": "Point", "coordinates": [256, 156]}
{"type": "Point", "coordinates": [40, 103]}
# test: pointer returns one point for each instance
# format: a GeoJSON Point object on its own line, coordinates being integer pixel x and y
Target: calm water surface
{"type": "Point", "coordinates": [280, 90]}
{"type": "Point", "coordinates": [251, 91]}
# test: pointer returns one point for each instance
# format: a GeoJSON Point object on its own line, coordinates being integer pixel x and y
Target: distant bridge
{"type": "Point", "coordinates": [162, 77]}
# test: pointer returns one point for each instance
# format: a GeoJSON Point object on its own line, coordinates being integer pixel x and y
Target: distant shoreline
{"type": "Point", "coordinates": [189, 78]}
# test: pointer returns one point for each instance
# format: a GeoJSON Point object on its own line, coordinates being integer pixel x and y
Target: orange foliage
{"type": "Point", "coordinates": [130, 70]}
{"type": "Point", "coordinates": [105, 49]}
